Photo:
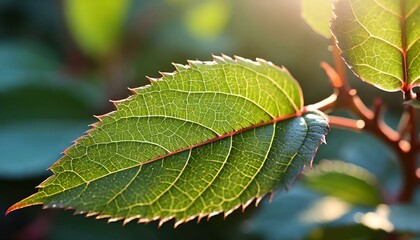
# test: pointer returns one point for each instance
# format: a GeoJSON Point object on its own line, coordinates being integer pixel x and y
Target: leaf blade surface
{"type": "Point", "coordinates": [317, 13]}
{"type": "Point", "coordinates": [156, 156]}
{"type": "Point", "coordinates": [379, 40]}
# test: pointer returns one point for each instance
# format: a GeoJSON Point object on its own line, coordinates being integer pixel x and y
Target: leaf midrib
{"type": "Point", "coordinates": [252, 179]}
{"type": "Point", "coordinates": [404, 45]}
{"type": "Point", "coordinates": [404, 48]}
{"type": "Point", "coordinates": [274, 120]}
{"type": "Point", "coordinates": [219, 136]}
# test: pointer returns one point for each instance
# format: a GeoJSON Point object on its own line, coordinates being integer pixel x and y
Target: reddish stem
{"type": "Point", "coordinates": [404, 142]}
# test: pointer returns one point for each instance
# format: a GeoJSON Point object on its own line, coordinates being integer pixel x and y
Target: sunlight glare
{"type": "Point", "coordinates": [325, 210]}
{"type": "Point", "coordinates": [376, 220]}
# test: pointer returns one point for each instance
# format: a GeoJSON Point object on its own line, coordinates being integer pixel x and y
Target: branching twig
{"type": "Point", "coordinates": [404, 142]}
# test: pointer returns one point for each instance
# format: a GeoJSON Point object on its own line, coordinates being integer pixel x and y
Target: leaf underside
{"type": "Point", "coordinates": [380, 40]}
{"type": "Point", "coordinates": [206, 139]}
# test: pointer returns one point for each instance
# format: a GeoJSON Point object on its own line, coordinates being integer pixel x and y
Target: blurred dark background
{"type": "Point", "coordinates": [60, 62]}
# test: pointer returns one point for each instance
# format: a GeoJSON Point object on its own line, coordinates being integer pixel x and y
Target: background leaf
{"type": "Point", "coordinates": [207, 19]}
{"type": "Point", "coordinates": [22, 62]}
{"type": "Point", "coordinates": [41, 140]}
{"type": "Point", "coordinates": [380, 40]}
{"type": "Point", "coordinates": [317, 13]}
{"type": "Point", "coordinates": [346, 181]}
{"type": "Point", "coordinates": [42, 110]}
{"type": "Point", "coordinates": [195, 139]}
{"type": "Point", "coordinates": [96, 25]}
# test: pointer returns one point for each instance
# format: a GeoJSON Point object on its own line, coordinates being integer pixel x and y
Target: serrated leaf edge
{"type": "Point", "coordinates": [223, 59]}
{"type": "Point", "coordinates": [199, 216]}
{"type": "Point", "coordinates": [404, 85]}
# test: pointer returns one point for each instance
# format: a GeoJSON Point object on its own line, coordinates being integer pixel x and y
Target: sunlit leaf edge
{"type": "Point", "coordinates": [403, 87]}
{"type": "Point", "coordinates": [36, 199]}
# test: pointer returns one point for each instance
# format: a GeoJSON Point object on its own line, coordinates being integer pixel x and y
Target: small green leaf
{"type": "Point", "coordinates": [379, 40]}
{"type": "Point", "coordinates": [317, 13]}
{"type": "Point", "coordinates": [96, 25]}
{"type": "Point", "coordinates": [209, 138]}
{"type": "Point", "coordinates": [207, 19]}
{"type": "Point", "coordinates": [346, 181]}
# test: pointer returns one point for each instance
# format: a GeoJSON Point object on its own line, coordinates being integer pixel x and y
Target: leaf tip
{"type": "Point", "coordinates": [210, 215]}
{"type": "Point", "coordinates": [147, 220]}
{"type": "Point", "coordinates": [200, 216]}
{"type": "Point", "coordinates": [11, 209]}
{"type": "Point", "coordinates": [179, 222]}
{"type": "Point", "coordinates": [218, 59]}
{"type": "Point", "coordinates": [227, 59]}
{"type": "Point", "coordinates": [246, 204]}
{"type": "Point", "coordinates": [90, 214]}
{"type": "Point", "coordinates": [272, 195]}
{"type": "Point", "coordinates": [180, 67]}
{"type": "Point", "coordinates": [257, 202]}
{"type": "Point", "coordinates": [77, 212]}
{"type": "Point", "coordinates": [265, 62]}
{"type": "Point", "coordinates": [163, 220]}
{"type": "Point", "coordinates": [193, 63]}
{"type": "Point", "coordinates": [132, 90]}
{"type": "Point", "coordinates": [34, 199]}
{"type": "Point", "coordinates": [115, 219]}
{"type": "Point", "coordinates": [99, 117]}
{"type": "Point", "coordinates": [127, 220]}
{"type": "Point", "coordinates": [151, 80]}
{"type": "Point", "coordinates": [167, 74]}
{"type": "Point", "coordinates": [116, 102]}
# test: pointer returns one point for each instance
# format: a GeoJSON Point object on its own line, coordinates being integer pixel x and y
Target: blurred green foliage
{"type": "Point", "coordinates": [318, 19]}
{"type": "Point", "coordinates": [60, 61]}
{"type": "Point", "coordinates": [96, 25]}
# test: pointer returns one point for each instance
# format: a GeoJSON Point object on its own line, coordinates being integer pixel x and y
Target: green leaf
{"type": "Point", "coordinates": [207, 19]}
{"type": "Point", "coordinates": [379, 40]}
{"type": "Point", "coordinates": [317, 13]}
{"type": "Point", "coordinates": [208, 138]}
{"type": "Point", "coordinates": [96, 25]}
{"type": "Point", "coordinates": [346, 181]}
{"type": "Point", "coordinates": [24, 61]}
